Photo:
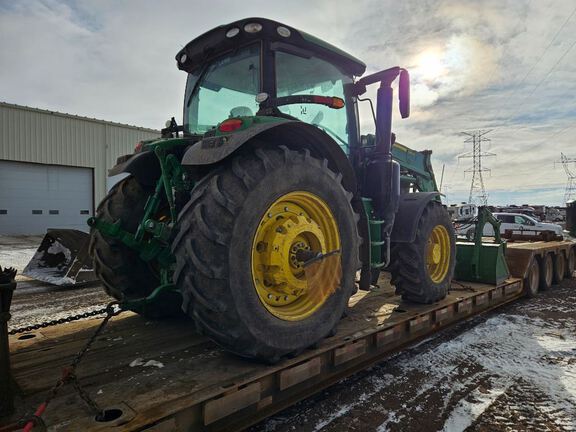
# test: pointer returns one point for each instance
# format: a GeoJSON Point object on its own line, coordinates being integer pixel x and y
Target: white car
{"type": "Point", "coordinates": [520, 222]}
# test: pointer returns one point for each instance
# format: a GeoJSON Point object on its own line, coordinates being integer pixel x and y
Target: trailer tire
{"type": "Point", "coordinates": [122, 272]}
{"type": "Point", "coordinates": [546, 272]}
{"type": "Point", "coordinates": [532, 280]}
{"type": "Point", "coordinates": [559, 268]}
{"type": "Point", "coordinates": [571, 263]}
{"type": "Point", "coordinates": [414, 277]}
{"type": "Point", "coordinates": [218, 239]}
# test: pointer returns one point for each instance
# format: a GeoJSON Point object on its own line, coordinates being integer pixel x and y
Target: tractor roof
{"type": "Point", "coordinates": [215, 42]}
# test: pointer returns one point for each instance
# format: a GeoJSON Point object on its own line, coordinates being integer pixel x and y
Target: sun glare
{"type": "Point", "coordinates": [430, 65]}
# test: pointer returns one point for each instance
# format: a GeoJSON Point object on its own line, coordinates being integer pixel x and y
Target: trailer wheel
{"type": "Point", "coordinates": [122, 272]}
{"type": "Point", "coordinates": [546, 272]}
{"type": "Point", "coordinates": [559, 267]}
{"type": "Point", "coordinates": [532, 279]}
{"type": "Point", "coordinates": [236, 250]}
{"type": "Point", "coordinates": [571, 263]}
{"type": "Point", "coordinates": [422, 270]}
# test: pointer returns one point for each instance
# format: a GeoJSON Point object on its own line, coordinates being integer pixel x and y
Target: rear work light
{"type": "Point", "coordinates": [230, 125]}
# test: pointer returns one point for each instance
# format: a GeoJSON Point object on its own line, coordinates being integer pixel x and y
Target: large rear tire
{"type": "Point", "coordinates": [422, 270]}
{"type": "Point", "coordinates": [124, 275]}
{"type": "Point", "coordinates": [228, 286]}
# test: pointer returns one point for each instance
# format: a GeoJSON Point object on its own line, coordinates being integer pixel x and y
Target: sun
{"type": "Point", "coordinates": [430, 65]}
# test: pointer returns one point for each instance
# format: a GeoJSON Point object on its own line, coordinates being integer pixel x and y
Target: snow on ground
{"type": "Point", "coordinates": [17, 258]}
{"type": "Point", "coordinates": [511, 370]}
{"type": "Point", "coordinates": [16, 251]}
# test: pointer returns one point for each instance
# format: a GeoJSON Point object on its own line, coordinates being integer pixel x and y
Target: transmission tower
{"type": "Point", "coordinates": [477, 190]}
{"type": "Point", "coordinates": [570, 191]}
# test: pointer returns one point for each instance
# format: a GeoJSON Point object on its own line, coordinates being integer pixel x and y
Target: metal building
{"type": "Point", "coordinates": [53, 166]}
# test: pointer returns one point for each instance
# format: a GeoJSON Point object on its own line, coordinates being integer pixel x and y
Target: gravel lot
{"type": "Point", "coordinates": [510, 370]}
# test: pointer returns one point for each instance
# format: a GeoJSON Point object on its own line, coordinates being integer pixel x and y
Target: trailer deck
{"type": "Point", "coordinates": [162, 376]}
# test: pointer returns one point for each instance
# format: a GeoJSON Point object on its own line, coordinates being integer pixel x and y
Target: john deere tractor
{"type": "Point", "coordinates": [268, 177]}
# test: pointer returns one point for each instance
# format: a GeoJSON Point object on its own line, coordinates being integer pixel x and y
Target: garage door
{"type": "Point", "coordinates": [35, 197]}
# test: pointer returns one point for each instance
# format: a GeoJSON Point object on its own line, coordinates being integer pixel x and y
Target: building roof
{"type": "Point", "coordinates": [76, 117]}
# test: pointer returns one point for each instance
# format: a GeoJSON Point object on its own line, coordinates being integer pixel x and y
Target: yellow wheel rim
{"type": "Point", "coordinates": [295, 221]}
{"type": "Point", "coordinates": [438, 253]}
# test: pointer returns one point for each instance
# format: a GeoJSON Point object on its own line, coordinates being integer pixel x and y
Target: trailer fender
{"type": "Point", "coordinates": [410, 209]}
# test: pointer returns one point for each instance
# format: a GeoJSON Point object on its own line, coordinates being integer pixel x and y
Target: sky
{"type": "Point", "coordinates": [508, 66]}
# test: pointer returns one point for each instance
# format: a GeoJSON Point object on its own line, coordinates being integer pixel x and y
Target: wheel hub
{"type": "Point", "coordinates": [438, 253]}
{"type": "Point", "coordinates": [298, 221]}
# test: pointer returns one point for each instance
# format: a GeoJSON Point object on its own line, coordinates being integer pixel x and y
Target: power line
{"type": "Point", "coordinates": [537, 86]}
{"type": "Point", "coordinates": [544, 52]}
{"type": "Point", "coordinates": [477, 189]}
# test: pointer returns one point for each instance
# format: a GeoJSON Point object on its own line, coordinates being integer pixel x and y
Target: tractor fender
{"type": "Point", "coordinates": [410, 209]}
{"type": "Point", "coordinates": [143, 166]}
{"type": "Point", "coordinates": [290, 133]}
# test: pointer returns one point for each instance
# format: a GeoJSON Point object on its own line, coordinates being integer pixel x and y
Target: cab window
{"type": "Point", "coordinates": [227, 88]}
{"type": "Point", "coordinates": [297, 75]}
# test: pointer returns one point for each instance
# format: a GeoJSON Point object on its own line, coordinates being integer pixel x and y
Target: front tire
{"type": "Point", "coordinates": [230, 285]}
{"type": "Point", "coordinates": [422, 270]}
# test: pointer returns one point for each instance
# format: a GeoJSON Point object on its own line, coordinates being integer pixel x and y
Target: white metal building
{"type": "Point", "coordinates": [53, 166]}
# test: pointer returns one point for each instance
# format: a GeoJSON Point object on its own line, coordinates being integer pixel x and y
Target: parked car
{"type": "Point", "coordinates": [521, 222]}
{"type": "Point", "coordinates": [512, 221]}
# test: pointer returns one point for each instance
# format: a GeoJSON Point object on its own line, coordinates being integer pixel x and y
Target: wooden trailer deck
{"type": "Point", "coordinates": [164, 377]}
{"type": "Point", "coordinates": [519, 254]}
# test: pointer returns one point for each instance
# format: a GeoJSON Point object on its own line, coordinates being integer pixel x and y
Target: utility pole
{"type": "Point", "coordinates": [570, 191]}
{"type": "Point", "coordinates": [477, 190]}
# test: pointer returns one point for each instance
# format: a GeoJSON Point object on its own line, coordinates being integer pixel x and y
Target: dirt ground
{"type": "Point", "coordinates": [511, 370]}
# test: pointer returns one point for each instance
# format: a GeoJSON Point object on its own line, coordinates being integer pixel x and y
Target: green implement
{"type": "Point", "coordinates": [480, 261]}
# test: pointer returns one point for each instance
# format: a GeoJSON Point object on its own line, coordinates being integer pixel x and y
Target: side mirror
{"type": "Point", "coordinates": [404, 93]}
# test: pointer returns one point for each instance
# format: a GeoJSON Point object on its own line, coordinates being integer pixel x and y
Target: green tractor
{"type": "Point", "coordinates": [224, 215]}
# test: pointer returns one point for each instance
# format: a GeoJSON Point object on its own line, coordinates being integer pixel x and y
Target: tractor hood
{"type": "Point", "coordinates": [231, 36]}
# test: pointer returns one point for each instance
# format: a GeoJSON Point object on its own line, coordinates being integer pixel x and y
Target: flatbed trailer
{"type": "Point", "coordinates": [162, 376]}
{"type": "Point", "coordinates": [519, 254]}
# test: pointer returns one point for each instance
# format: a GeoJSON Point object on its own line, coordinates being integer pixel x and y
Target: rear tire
{"type": "Point", "coordinates": [559, 268]}
{"type": "Point", "coordinates": [124, 275]}
{"type": "Point", "coordinates": [546, 272]}
{"type": "Point", "coordinates": [532, 281]}
{"type": "Point", "coordinates": [415, 278]}
{"type": "Point", "coordinates": [571, 263]}
{"type": "Point", "coordinates": [215, 246]}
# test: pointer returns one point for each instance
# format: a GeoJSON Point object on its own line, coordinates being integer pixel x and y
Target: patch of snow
{"type": "Point", "coordinates": [137, 362]}
{"type": "Point", "coordinates": [17, 258]}
{"type": "Point", "coordinates": [150, 363]}
{"type": "Point", "coordinates": [468, 410]}
{"type": "Point", "coordinates": [57, 247]}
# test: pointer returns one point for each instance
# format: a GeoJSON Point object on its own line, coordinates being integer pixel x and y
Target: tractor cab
{"type": "Point", "coordinates": [238, 69]}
